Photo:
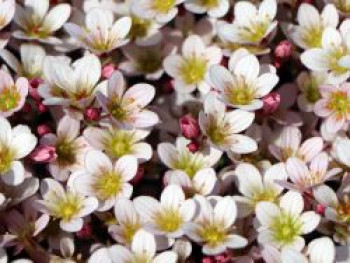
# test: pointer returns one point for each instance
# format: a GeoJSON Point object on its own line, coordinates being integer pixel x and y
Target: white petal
{"type": "Point", "coordinates": [248, 67]}
{"type": "Point", "coordinates": [127, 167]}
{"type": "Point", "coordinates": [15, 175]}
{"type": "Point", "coordinates": [56, 17]}
{"type": "Point", "coordinates": [315, 59]}
{"type": "Point", "coordinates": [309, 221]}
{"type": "Point", "coordinates": [172, 196]}
{"type": "Point", "coordinates": [73, 225]}
{"type": "Point", "coordinates": [146, 206]}
{"type": "Point", "coordinates": [225, 212]}
{"type": "Point", "coordinates": [144, 243]}
{"type": "Point", "coordinates": [248, 179]}
{"type": "Point", "coordinates": [193, 46]}
{"type": "Point", "coordinates": [321, 250]}
{"type": "Point", "coordinates": [292, 202]}
{"type": "Point", "coordinates": [96, 162]}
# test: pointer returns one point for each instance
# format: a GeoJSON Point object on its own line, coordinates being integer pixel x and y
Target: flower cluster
{"type": "Point", "coordinates": [174, 131]}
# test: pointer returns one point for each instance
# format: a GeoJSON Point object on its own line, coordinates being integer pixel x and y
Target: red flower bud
{"type": "Point", "coordinates": [44, 154]}
{"type": "Point", "coordinates": [92, 114]}
{"type": "Point", "coordinates": [108, 70]}
{"type": "Point", "coordinates": [189, 127]}
{"type": "Point", "coordinates": [271, 102]}
{"type": "Point", "coordinates": [85, 231]}
{"type": "Point", "coordinates": [193, 146]}
{"type": "Point", "coordinates": [320, 209]}
{"type": "Point", "coordinates": [283, 50]}
{"type": "Point", "coordinates": [33, 88]}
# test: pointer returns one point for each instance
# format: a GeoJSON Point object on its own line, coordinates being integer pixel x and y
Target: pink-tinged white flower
{"type": "Point", "coordinates": [15, 144]}
{"type": "Point", "coordinates": [311, 25]}
{"type": "Point", "coordinates": [66, 205]}
{"type": "Point", "coordinates": [106, 5]}
{"type": "Point", "coordinates": [334, 106]}
{"type": "Point", "coordinates": [168, 216]}
{"type": "Point", "coordinates": [283, 225]}
{"type": "Point", "coordinates": [143, 249]}
{"type": "Point", "coordinates": [251, 24]}
{"type": "Point", "coordinates": [23, 226]}
{"type": "Point", "coordinates": [245, 81]}
{"type": "Point", "coordinates": [191, 69]}
{"type": "Point", "coordinates": [341, 150]}
{"type": "Point", "coordinates": [304, 177]}
{"type": "Point", "coordinates": [129, 221]}
{"type": "Point", "coordinates": [202, 182]}
{"type": "Point", "coordinates": [100, 34]}
{"type": "Point", "coordinates": [67, 84]}
{"type": "Point", "coordinates": [37, 22]}
{"type": "Point", "coordinates": [309, 84]}
{"type": "Point", "coordinates": [287, 143]}
{"type": "Point", "coordinates": [12, 94]}
{"type": "Point", "coordinates": [117, 143]}
{"type": "Point", "coordinates": [180, 159]}
{"type": "Point", "coordinates": [334, 54]}
{"type": "Point", "coordinates": [70, 148]}
{"type": "Point", "coordinates": [31, 63]}
{"type": "Point", "coordinates": [213, 226]}
{"type": "Point", "coordinates": [256, 187]}
{"type": "Point", "coordinates": [214, 8]}
{"type": "Point", "coordinates": [127, 106]}
{"type": "Point", "coordinates": [7, 11]}
{"type": "Point", "coordinates": [160, 10]}
{"type": "Point", "coordinates": [103, 179]}
{"type": "Point", "coordinates": [222, 127]}
{"type": "Point", "coordinates": [145, 60]}
{"type": "Point", "coordinates": [320, 250]}
{"type": "Point", "coordinates": [337, 205]}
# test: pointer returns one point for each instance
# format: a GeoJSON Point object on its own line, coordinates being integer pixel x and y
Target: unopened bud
{"type": "Point", "coordinates": [193, 147]}
{"type": "Point", "coordinates": [189, 127]}
{"type": "Point", "coordinates": [44, 154]}
{"type": "Point", "coordinates": [271, 102]}
{"type": "Point", "coordinates": [320, 209]}
{"type": "Point", "coordinates": [92, 114]}
{"type": "Point", "coordinates": [85, 231]}
{"type": "Point", "coordinates": [43, 129]}
{"type": "Point", "coordinates": [283, 50]}
{"type": "Point", "coordinates": [108, 70]}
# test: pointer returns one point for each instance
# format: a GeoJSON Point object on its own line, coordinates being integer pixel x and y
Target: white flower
{"type": "Point", "coordinates": [100, 34]}
{"type": "Point", "coordinates": [341, 150]}
{"type": "Point", "coordinates": [7, 11]}
{"type": "Point", "coordinates": [191, 70]}
{"type": "Point", "coordinates": [334, 54]}
{"type": "Point", "coordinates": [103, 179]}
{"type": "Point", "coordinates": [143, 249]}
{"type": "Point", "coordinates": [117, 142]}
{"type": "Point", "coordinates": [214, 8]}
{"type": "Point", "coordinates": [12, 94]}
{"type": "Point", "coordinates": [38, 22]}
{"type": "Point", "coordinates": [161, 10]}
{"type": "Point", "coordinates": [304, 177]}
{"type": "Point", "coordinates": [245, 81]}
{"type": "Point", "coordinates": [282, 225]}
{"type": "Point", "coordinates": [222, 128]}
{"type": "Point", "coordinates": [15, 143]}
{"type": "Point", "coordinates": [288, 144]}
{"type": "Point", "coordinates": [32, 60]}
{"type": "Point", "coordinates": [129, 221]}
{"type": "Point", "coordinates": [311, 25]}
{"type": "Point", "coordinates": [70, 148]}
{"type": "Point", "coordinates": [251, 24]}
{"type": "Point", "coordinates": [213, 226]}
{"type": "Point", "coordinates": [70, 84]}
{"type": "Point", "coordinates": [66, 205]}
{"type": "Point", "coordinates": [255, 187]}
{"type": "Point", "coordinates": [126, 107]}
{"type": "Point", "coordinates": [169, 215]}
{"type": "Point", "coordinates": [145, 60]}
{"type": "Point", "coordinates": [180, 159]}
{"type": "Point", "coordinates": [321, 250]}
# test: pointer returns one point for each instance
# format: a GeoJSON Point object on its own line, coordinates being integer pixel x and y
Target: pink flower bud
{"type": "Point", "coordinates": [41, 107]}
{"type": "Point", "coordinates": [92, 114]}
{"type": "Point", "coordinates": [189, 127]}
{"type": "Point", "coordinates": [43, 129]}
{"type": "Point", "coordinates": [193, 146]}
{"type": "Point", "coordinates": [108, 70]}
{"type": "Point", "coordinates": [271, 102]}
{"type": "Point", "coordinates": [320, 209]}
{"type": "Point", "coordinates": [283, 50]}
{"type": "Point", "coordinates": [33, 88]}
{"type": "Point", "coordinates": [208, 260]}
{"type": "Point", "coordinates": [44, 154]}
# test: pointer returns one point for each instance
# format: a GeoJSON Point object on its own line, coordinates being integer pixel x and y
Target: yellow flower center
{"type": "Point", "coordinates": [189, 163]}
{"type": "Point", "coordinates": [193, 70]}
{"type": "Point", "coordinates": [217, 132]}
{"type": "Point", "coordinates": [68, 206]}
{"type": "Point", "coordinates": [107, 184]}
{"type": "Point", "coordinates": [343, 209]}
{"type": "Point", "coordinates": [9, 99]}
{"type": "Point", "coordinates": [339, 103]}
{"type": "Point", "coordinates": [334, 58]}
{"type": "Point", "coordinates": [6, 159]}
{"type": "Point", "coordinates": [212, 235]}
{"type": "Point", "coordinates": [66, 152]}
{"type": "Point", "coordinates": [163, 6]}
{"type": "Point", "coordinates": [118, 143]}
{"type": "Point", "coordinates": [129, 231]}
{"type": "Point", "coordinates": [168, 220]}
{"type": "Point", "coordinates": [286, 228]}
{"type": "Point", "coordinates": [256, 31]}
{"type": "Point", "coordinates": [266, 195]}
{"type": "Point", "coordinates": [313, 36]}
{"type": "Point", "coordinates": [117, 109]}
{"type": "Point", "coordinates": [139, 27]}
{"type": "Point", "coordinates": [209, 3]}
